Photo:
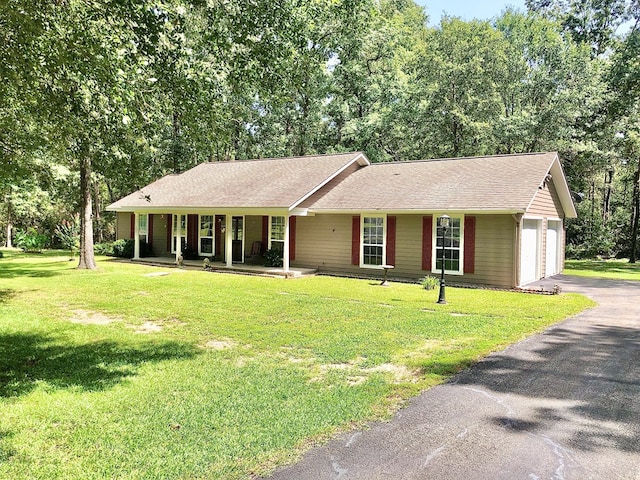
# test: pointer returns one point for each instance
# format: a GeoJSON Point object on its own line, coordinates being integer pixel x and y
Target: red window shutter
{"type": "Point", "coordinates": [133, 225]}
{"type": "Point", "coordinates": [469, 244]}
{"type": "Point", "coordinates": [427, 241]}
{"type": "Point", "coordinates": [355, 240]}
{"type": "Point", "coordinates": [391, 240]}
{"type": "Point", "coordinates": [192, 231]}
{"type": "Point", "coordinates": [265, 232]}
{"type": "Point", "coordinates": [150, 229]}
{"type": "Point", "coordinates": [292, 238]}
{"type": "Point", "coordinates": [169, 231]}
{"type": "Point", "coordinates": [219, 236]}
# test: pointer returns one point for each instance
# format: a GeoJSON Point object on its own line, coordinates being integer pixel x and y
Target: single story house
{"type": "Point", "coordinates": [341, 214]}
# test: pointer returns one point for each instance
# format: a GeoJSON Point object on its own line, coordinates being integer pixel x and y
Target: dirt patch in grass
{"type": "Point", "coordinates": [355, 375]}
{"type": "Point", "coordinates": [220, 344]}
{"type": "Point", "coordinates": [147, 327]}
{"type": "Point", "coordinates": [87, 317]}
{"type": "Point", "coordinates": [156, 274]}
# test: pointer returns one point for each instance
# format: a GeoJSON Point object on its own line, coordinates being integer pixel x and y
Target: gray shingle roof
{"type": "Point", "coordinates": [268, 183]}
{"type": "Point", "coordinates": [503, 182]}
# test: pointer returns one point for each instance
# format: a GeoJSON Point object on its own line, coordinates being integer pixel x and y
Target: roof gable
{"type": "Point", "coordinates": [502, 183]}
{"type": "Point", "coordinates": [267, 183]}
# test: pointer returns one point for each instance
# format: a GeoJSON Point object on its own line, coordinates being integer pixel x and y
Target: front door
{"type": "Point", "coordinates": [237, 239]}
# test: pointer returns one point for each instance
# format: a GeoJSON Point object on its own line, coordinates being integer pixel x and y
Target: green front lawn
{"type": "Point", "coordinates": [613, 269]}
{"type": "Point", "coordinates": [126, 373]}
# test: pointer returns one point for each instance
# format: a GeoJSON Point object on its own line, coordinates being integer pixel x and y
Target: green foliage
{"type": "Point", "coordinates": [240, 372]}
{"type": "Point", "coordinates": [273, 258]}
{"type": "Point", "coordinates": [124, 248]}
{"type": "Point", "coordinates": [31, 240]}
{"type": "Point", "coordinates": [105, 248]}
{"type": "Point", "coordinates": [68, 232]}
{"type": "Point", "coordinates": [157, 88]}
{"type": "Point", "coordinates": [429, 282]}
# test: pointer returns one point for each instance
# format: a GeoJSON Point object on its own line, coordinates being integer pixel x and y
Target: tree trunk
{"type": "Point", "coordinates": [87, 259]}
{"type": "Point", "coordinates": [8, 243]}
{"type": "Point", "coordinates": [634, 215]}
{"type": "Point", "coordinates": [175, 143]}
{"type": "Point", "coordinates": [97, 208]}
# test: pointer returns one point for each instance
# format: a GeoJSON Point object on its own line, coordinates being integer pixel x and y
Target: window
{"type": "Point", "coordinates": [206, 235]}
{"type": "Point", "coordinates": [143, 222]}
{"type": "Point", "coordinates": [276, 234]}
{"type": "Point", "coordinates": [373, 241]}
{"type": "Point", "coordinates": [179, 229]}
{"type": "Point", "coordinates": [452, 243]}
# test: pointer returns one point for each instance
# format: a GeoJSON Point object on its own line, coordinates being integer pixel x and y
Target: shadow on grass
{"type": "Point", "coordinates": [6, 452]}
{"type": "Point", "coordinates": [6, 294]}
{"type": "Point", "coordinates": [592, 372]}
{"type": "Point", "coordinates": [33, 269]}
{"type": "Point", "coordinates": [602, 266]}
{"type": "Point", "coordinates": [27, 359]}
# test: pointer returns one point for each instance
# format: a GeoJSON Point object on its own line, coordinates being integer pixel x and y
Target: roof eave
{"type": "Point", "coordinates": [418, 211]}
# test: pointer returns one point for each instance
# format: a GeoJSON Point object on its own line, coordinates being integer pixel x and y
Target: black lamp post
{"type": "Point", "coordinates": [444, 225]}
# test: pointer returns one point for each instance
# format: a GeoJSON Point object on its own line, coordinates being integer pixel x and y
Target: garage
{"type": "Point", "coordinates": [529, 259]}
{"type": "Point", "coordinates": [554, 227]}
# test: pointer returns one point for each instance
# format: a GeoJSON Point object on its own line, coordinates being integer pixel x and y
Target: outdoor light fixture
{"type": "Point", "coordinates": [443, 222]}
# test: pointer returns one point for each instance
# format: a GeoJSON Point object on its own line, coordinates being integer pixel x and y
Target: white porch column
{"type": "Point", "coordinates": [285, 254]}
{"type": "Point", "coordinates": [228, 242]}
{"type": "Point", "coordinates": [175, 227]}
{"type": "Point", "coordinates": [136, 236]}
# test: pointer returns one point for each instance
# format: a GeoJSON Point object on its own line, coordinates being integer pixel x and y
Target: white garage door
{"type": "Point", "coordinates": [553, 239]}
{"type": "Point", "coordinates": [529, 252]}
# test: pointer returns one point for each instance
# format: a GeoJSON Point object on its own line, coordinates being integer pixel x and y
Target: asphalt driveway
{"type": "Point", "coordinates": [564, 404]}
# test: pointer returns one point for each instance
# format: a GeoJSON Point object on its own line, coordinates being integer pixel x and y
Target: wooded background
{"type": "Point", "coordinates": [101, 97]}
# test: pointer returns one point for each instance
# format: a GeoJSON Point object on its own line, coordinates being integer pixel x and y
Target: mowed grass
{"type": "Point", "coordinates": [613, 269]}
{"type": "Point", "coordinates": [124, 373]}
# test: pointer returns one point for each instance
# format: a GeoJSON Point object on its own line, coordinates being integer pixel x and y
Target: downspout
{"type": "Point", "coordinates": [9, 222]}
{"type": "Point", "coordinates": [518, 249]}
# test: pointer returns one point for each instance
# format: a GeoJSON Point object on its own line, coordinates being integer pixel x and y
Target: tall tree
{"type": "Point", "coordinates": [590, 22]}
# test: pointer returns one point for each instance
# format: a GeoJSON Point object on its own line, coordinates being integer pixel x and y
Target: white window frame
{"type": "Point", "coordinates": [212, 236]}
{"type": "Point", "coordinates": [143, 233]}
{"type": "Point", "coordinates": [434, 249]}
{"type": "Point", "coordinates": [174, 230]}
{"type": "Point", "coordinates": [277, 240]}
{"type": "Point", "coordinates": [384, 240]}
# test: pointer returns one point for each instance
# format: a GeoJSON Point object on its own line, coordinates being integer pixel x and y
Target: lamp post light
{"type": "Point", "coordinates": [443, 222]}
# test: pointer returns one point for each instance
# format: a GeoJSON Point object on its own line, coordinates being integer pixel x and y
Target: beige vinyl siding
{"type": "Point", "coordinates": [123, 225]}
{"type": "Point", "coordinates": [324, 242]}
{"type": "Point", "coordinates": [546, 203]}
{"type": "Point", "coordinates": [409, 246]}
{"type": "Point", "coordinates": [495, 243]}
{"type": "Point", "coordinates": [252, 232]}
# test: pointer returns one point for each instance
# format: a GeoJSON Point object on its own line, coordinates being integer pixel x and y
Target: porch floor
{"type": "Point", "coordinates": [235, 268]}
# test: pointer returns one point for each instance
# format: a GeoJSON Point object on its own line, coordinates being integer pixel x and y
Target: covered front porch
{"type": "Point", "coordinates": [236, 239]}
{"type": "Point", "coordinates": [234, 268]}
